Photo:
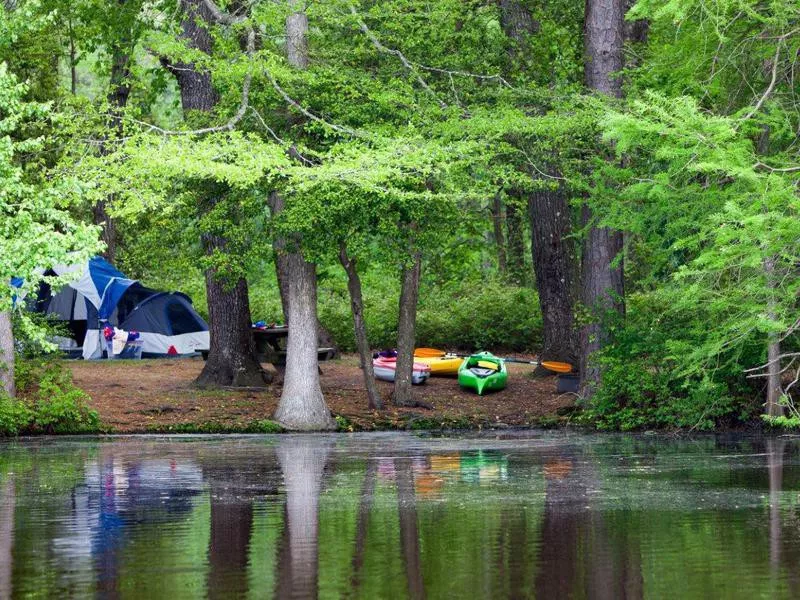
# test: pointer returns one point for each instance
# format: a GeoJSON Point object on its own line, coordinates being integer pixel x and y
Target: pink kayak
{"type": "Point", "coordinates": [385, 367]}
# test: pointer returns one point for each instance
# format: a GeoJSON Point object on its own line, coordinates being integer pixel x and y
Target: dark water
{"type": "Point", "coordinates": [544, 515]}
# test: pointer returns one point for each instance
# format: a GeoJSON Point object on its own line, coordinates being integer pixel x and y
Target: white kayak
{"type": "Point", "coordinates": [385, 370]}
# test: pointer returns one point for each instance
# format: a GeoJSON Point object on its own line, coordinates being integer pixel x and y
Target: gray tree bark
{"type": "Point", "coordinates": [406, 333]}
{"type": "Point", "coordinates": [602, 284]}
{"type": "Point", "coordinates": [774, 388]}
{"type": "Point", "coordinates": [302, 405]}
{"type": "Point", "coordinates": [6, 354]}
{"type": "Point", "coordinates": [360, 327]}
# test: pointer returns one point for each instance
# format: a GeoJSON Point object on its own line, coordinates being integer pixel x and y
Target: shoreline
{"type": "Point", "coordinates": [157, 396]}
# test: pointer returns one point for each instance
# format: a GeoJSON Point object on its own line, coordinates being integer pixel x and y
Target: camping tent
{"type": "Point", "coordinates": [104, 296]}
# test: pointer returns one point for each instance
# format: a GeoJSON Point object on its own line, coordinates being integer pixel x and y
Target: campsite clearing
{"type": "Point", "coordinates": [144, 396]}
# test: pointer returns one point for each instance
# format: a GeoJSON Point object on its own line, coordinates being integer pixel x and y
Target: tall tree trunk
{"type": "Point", "coordinates": [6, 354]}
{"type": "Point", "coordinates": [774, 388]}
{"type": "Point", "coordinates": [498, 218]}
{"type": "Point", "coordinates": [516, 242]}
{"type": "Point", "coordinates": [362, 343]}
{"type": "Point", "coordinates": [602, 283]}
{"type": "Point", "coordinates": [231, 358]}
{"type": "Point", "coordinates": [118, 94]}
{"type": "Point", "coordinates": [773, 407]}
{"type": "Point", "coordinates": [555, 268]}
{"type": "Point", "coordinates": [409, 528]}
{"type": "Point", "coordinates": [406, 333]}
{"type": "Point", "coordinates": [302, 406]}
{"type": "Point", "coordinates": [554, 260]}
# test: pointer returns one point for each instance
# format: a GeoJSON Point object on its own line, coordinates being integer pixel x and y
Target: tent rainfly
{"type": "Point", "coordinates": [102, 296]}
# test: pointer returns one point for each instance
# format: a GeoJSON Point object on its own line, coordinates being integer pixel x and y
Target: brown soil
{"type": "Point", "coordinates": [158, 396]}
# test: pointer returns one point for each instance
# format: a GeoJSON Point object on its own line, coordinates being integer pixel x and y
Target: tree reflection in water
{"type": "Point", "coordinates": [326, 516]}
{"type": "Point", "coordinates": [302, 459]}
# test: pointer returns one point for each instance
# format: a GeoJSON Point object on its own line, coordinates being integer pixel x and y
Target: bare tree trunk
{"type": "Point", "coordinates": [73, 61]}
{"type": "Point", "coordinates": [602, 284]}
{"type": "Point", "coordinates": [6, 354]}
{"type": "Point", "coordinates": [232, 357]}
{"type": "Point", "coordinates": [516, 242]}
{"type": "Point", "coordinates": [555, 267]}
{"type": "Point", "coordinates": [362, 343]}
{"type": "Point", "coordinates": [774, 387]}
{"type": "Point", "coordinates": [406, 333]}
{"type": "Point", "coordinates": [554, 259]}
{"type": "Point", "coordinates": [302, 461]}
{"type": "Point", "coordinates": [302, 406]}
{"type": "Point", "coordinates": [498, 218]}
{"type": "Point", "coordinates": [118, 94]}
{"type": "Point", "coordinates": [409, 528]}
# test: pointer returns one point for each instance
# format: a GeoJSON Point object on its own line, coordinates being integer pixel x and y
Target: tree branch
{"type": "Point", "coordinates": [233, 121]}
{"type": "Point", "coordinates": [406, 63]}
{"type": "Point", "coordinates": [768, 92]}
{"type": "Point", "coordinates": [221, 17]}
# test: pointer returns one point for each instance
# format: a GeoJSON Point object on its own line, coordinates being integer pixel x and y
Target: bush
{"type": "Point", "coordinates": [648, 382]}
{"type": "Point", "coordinates": [48, 402]}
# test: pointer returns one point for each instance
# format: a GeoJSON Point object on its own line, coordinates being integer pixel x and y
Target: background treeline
{"type": "Point", "coordinates": [612, 184]}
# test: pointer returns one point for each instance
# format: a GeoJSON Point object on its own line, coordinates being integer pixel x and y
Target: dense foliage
{"type": "Point", "coordinates": [425, 129]}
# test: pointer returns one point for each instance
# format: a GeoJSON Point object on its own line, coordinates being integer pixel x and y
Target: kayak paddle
{"type": "Point", "coordinates": [550, 365]}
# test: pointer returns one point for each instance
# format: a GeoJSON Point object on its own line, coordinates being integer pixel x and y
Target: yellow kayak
{"type": "Point", "coordinates": [441, 366]}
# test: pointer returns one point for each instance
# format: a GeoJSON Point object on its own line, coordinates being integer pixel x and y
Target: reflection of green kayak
{"type": "Point", "coordinates": [483, 372]}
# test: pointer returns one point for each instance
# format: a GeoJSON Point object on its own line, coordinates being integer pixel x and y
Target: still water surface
{"type": "Point", "coordinates": [517, 515]}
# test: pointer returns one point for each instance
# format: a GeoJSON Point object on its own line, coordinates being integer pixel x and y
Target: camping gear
{"type": "Point", "coordinates": [550, 365]}
{"type": "Point", "coordinates": [385, 367]}
{"type": "Point", "coordinates": [483, 372]}
{"type": "Point", "coordinates": [441, 366]}
{"type": "Point", "coordinates": [102, 296]}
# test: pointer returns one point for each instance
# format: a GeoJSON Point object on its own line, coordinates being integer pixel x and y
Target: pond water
{"type": "Point", "coordinates": [512, 515]}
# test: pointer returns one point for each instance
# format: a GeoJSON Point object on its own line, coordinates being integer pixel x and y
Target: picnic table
{"type": "Point", "coordinates": [270, 344]}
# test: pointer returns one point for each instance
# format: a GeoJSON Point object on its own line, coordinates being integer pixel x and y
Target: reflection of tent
{"type": "Point", "coordinates": [102, 295]}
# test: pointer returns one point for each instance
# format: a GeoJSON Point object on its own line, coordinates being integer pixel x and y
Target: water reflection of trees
{"type": "Point", "coordinates": [304, 517]}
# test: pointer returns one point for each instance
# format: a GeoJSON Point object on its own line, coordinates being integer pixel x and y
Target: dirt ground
{"type": "Point", "coordinates": [158, 396]}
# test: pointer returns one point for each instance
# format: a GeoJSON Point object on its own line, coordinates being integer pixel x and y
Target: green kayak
{"type": "Point", "coordinates": [483, 372]}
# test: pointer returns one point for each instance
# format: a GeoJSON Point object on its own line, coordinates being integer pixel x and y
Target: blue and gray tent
{"type": "Point", "coordinates": [102, 296]}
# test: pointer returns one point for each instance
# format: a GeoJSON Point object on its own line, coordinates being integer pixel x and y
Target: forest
{"type": "Point", "coordinates": [614, 185]}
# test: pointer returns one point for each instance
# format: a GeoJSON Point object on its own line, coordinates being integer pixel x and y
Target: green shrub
{"type": "Point", "coordinates": [15, 416]}
{"type": "Point", "coordinates": [648, 381]}
{"type": "Point", "coordinates": [48, 402]}
{"type": "Point", "coordinates": [60, 407]}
